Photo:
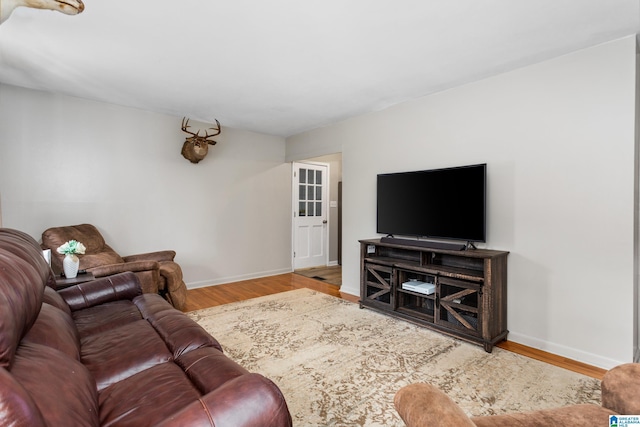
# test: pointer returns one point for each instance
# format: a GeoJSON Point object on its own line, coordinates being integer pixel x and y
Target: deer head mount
{"type": "Point", "coordinates": [69, 7]}
{"type": "Point", "coordinates": [196, 147]}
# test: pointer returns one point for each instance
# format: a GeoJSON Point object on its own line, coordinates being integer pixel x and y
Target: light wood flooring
{"type": "Point", "coordinates": [223, 294]}
{"type": "Point", "coordinates": [332, 274]}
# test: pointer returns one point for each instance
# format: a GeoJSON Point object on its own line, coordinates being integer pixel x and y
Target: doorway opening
{"type": "Point", "coordinates": [317, 217]}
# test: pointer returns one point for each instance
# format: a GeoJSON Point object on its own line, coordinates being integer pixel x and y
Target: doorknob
{"type": "Point", "coordinates": [324, 222]}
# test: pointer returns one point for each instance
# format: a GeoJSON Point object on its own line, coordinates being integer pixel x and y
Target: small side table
{"type": "Point", "coordinates": [62, 282]}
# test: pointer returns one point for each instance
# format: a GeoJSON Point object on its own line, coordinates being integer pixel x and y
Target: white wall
{"type": "Point", "coordinates": [558, 138]}
{"type": "Point", "coordinates": [65, 161]}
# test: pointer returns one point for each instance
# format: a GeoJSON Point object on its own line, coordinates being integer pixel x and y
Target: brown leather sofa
{"type": "Point", "coordinates": [424, 405]}
{"type": "Point", "coordinates": [103, 353]}
{"type": "Point", "coordinates": [157, 271]}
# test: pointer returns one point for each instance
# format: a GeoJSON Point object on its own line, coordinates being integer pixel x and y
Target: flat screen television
{"type": "Point", "coordinates": [439, 203]}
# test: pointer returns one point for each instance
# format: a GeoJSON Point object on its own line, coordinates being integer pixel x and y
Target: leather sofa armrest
{"type": "Point", "coordinates": [111, 269]}
{"type": "Point", "coordinates": [124, 286]}
{"type": "Point", "coordinates": [424, 405]}
{"type": "Point", "coordinates": [621, 389]}
{"type": "Point", "coordinates": [249, 400]}
{"type": "Point", "coordinates": [153, 256]}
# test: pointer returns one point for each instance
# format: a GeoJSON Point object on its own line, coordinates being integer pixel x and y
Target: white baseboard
{"type": "Point", "coordinates": [350, 290]}
{"type": "Point", "coordinates": [232, 279]}
{"type": "Point", "coordinates": [568, 352]}
{"type": "Point", "coordinates": [332, 263]}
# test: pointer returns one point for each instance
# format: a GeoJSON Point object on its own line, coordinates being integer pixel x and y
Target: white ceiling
{"type": "Point", "coordinates": [285, 66]}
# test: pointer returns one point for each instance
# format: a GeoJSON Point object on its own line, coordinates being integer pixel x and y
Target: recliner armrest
{"type": "Point", "coordinates": [621, 389]}
{"type": "Point", "coordinates": [250, 400]}
{"type": "Point", "coordinates": [108, 270]}
{"type": "Point", "coordinates": [158, 256]}
{"type": "Point", "coordinates": [424, 405]}
{"type": "Point", "coordinates": [124, 286]}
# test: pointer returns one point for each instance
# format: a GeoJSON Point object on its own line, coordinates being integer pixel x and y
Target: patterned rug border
{"type": "Point", "coordinates": [285, 294]}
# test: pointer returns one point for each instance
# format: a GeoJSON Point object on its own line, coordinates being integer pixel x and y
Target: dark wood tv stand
{"type": "Point", "coordinates": [470, 297]}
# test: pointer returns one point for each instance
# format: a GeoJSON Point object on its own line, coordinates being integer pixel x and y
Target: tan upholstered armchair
{"type": "Point", "coordinates": [423, 405]}
{"type": "Point", "coordinates": [157, 271]}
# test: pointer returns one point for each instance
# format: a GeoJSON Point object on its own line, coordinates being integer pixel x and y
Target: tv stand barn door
{"type": "Point", "coordinates": [468, 299]}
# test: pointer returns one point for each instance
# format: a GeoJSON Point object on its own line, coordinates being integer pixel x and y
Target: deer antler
{"type": "Point", "coordinates": [218, 130]}
{"type": "Point", "coordinates": [69, 7]}
{"type": "Point", "coordinates": [185, 126]}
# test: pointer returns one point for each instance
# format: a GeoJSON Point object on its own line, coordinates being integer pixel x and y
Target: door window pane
{"type": "Point", "coordinates": [310, 192]}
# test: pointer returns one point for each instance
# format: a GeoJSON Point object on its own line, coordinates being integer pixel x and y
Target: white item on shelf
{"type": "Point", "coordinates": [420, 287]}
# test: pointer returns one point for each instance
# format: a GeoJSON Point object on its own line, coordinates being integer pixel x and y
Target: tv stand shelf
{"type": "Point", "coordinates": [470, 298]}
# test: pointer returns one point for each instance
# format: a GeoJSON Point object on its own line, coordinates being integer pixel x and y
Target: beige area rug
{"type": "Point", "coordinates": [339, 365]}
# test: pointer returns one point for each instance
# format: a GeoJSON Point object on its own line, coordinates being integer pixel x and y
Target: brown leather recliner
{"type": "Point", "coordinates": [157, 271]}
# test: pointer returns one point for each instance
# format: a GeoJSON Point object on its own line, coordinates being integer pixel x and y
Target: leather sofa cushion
{"type": "Point", "coordinates": [180, 333]}
{"type": "Point", "coordinates": [145, 398]}
{"type": "Point", "coordinates": [151, 306]}
{"type": "Point", "coordinates": [60, 387]}
{"type": "Point", "coordinates": [54, 328]}
{"type": "Point", "coordinates": [53, 298]}
{"type": "Point", "coordinates": [208, 368]}
{"type": "Point", "coordinates": [25, 247]}
{"type": "Point", "coordinates": [105, 317]}
{"type": "Point", "coordinates": [17, 405]}
{"type": "Point", "coordinates": [119, 353]}
{"type": "Point", "coordinates": [248, 400]}
{"type": "Point", "coordinates": [21, 290]}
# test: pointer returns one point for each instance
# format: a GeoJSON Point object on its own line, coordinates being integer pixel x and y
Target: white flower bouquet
{"type": "Point", "coordinates": [72, 247]}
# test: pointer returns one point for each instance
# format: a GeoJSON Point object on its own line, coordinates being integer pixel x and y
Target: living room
{"type": "Point", "coordinates": [558, 136]}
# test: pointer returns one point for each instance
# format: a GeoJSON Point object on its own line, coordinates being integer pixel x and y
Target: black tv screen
{"type": "Point", "coordinates": [439, 203]}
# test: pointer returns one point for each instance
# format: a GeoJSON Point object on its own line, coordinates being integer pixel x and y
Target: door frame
{"type": "Point", "coordinates": [294, 197]}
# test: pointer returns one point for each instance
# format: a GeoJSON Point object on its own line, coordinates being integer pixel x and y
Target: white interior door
{"type": "Point", "coordinates": [310, 220]}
